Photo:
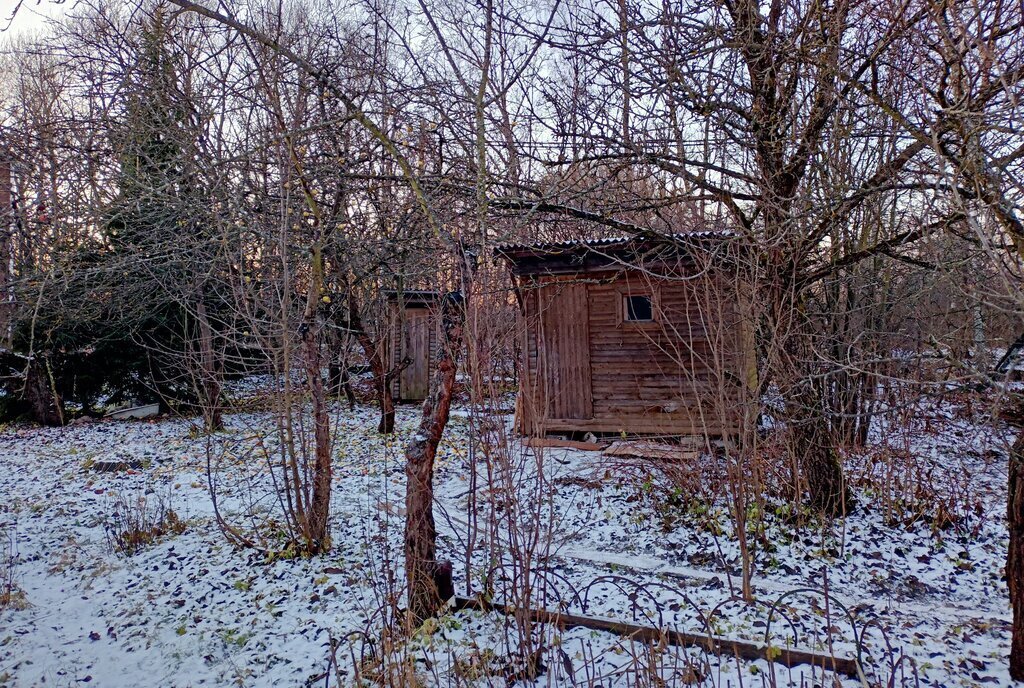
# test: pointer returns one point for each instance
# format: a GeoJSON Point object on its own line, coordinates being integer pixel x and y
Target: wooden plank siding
{"type": "Point", "coordinates": [415, 378]}
{"type": "Point", "coordinates": [683, 373]}
{"type": "Point", "coordinates": [565, 362]}
{"type": "Point", "coordinates": [413, 332]}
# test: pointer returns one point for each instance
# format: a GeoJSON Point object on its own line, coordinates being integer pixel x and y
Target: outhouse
{"type": "Point", "coordinates": [413, 335]}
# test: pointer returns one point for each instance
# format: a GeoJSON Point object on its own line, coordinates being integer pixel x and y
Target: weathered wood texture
{"type": "Point", "coordinates": [587, 368]}
{"type": "Point", "coordinates": [564, 364]}
{"type": "Point", "coordinates": [551, 442]}
{"type": "Point", "coordinates": [414, 381]}
{"type": "Point", "coordinates": [413, 333]}
{"type": "Point", "coordinates": [654, 450]}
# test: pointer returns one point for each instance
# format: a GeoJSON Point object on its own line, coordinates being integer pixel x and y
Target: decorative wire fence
{"type": "Point", "coordinates": [644, 633]}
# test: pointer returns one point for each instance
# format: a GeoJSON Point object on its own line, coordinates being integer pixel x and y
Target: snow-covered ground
{"type": "Point", "coordinates": [927, 604]}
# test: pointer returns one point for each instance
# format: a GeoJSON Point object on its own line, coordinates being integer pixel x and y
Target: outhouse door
{"type": "Point", "coordinates": [564, 348]}
{"type": "Point", "coordinates": [415, 378]}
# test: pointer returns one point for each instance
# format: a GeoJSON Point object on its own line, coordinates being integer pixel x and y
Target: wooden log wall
{"type": "Point", "coordinates": [684, 373]}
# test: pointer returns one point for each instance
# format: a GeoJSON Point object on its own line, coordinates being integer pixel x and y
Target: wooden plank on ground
{"type": "Point", "coordinates": [543, 442]}
{"type": "Point", "coordinates": [789, 657]}
{"type": "Point", "coordinates": [647, 449]}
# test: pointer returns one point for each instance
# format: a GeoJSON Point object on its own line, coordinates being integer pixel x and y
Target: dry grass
{"type": "Point", "coordinates": [133, 524]}
{"type": "Point", "coordinates": [10, 595]}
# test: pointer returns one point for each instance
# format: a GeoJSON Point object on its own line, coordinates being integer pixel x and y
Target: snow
{"type": "Point", "coordinates": [192, 610]}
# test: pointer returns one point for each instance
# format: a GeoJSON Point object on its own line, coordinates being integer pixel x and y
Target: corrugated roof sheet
{"type": "Point", "coordinates": [551, 246]}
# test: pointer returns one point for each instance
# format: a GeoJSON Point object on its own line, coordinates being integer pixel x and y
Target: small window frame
{"type": "Point", "coordinates": [625, 292]}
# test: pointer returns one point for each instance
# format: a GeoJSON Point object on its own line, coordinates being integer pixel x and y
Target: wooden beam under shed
{"type": "Point", "coordinates": [543, 442]}
{"type": "Point", "coordinates": [647, 449]}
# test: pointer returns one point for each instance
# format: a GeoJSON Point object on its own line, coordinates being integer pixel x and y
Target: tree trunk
{"type": "Point", "coordinates": [422, 569]}
{"type": "Point", "coordinates": [210, 387]}
{"type": "Point", "coordinates": [812, 438]}
{"type": "Point", "coordinates": [338, 381]}
{"type": "Point", "coordinates": [813, 446]}
{"type": "Point", "coordinates": [341, 383]}
{"type": "Point", "coordinates": [1015, 555]}
{"type": "Point", "coordinates": [42, 398]}
{"type": "Point", "coordinates": [386, 426]}
{"type": "Point", "coordinates": [381, 376]}
{"type": "Point", "coordinates": [318, 538]}
{"type": "Point", "coordinates": [6, 244]}
{"type": "Point", "coordinates": [346, 386]}
{"type": "Point", "coordinates": [812, 443]}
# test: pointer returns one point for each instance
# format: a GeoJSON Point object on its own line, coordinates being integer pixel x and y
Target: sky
{"type": "Point", "coordinates": [32, 14]}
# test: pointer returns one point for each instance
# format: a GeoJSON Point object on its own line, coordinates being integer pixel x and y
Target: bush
{"type": "Point", "coordinates": [10, 595]}
{"type": "Point", "coordinates": [133, 524]}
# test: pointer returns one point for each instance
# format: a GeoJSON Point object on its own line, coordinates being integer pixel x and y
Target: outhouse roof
{"type": "Point", "coordinates": [413, 298]}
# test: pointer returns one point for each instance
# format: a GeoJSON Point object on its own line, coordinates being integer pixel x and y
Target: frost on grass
{"type": "Point", "coordinates": [168, 602]}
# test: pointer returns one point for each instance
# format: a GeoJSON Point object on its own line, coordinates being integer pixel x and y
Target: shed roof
{"type": "Point", "coordinates": [562, 256]}
{"type": "Point", "coordinates": [413, 298]}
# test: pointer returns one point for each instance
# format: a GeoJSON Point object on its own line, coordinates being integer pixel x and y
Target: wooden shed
{"type": "Point", "coordinates": [413, 334]}
{"type": "Point", "coordinates": [632, 335]}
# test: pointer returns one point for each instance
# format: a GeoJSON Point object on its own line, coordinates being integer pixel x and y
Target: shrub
{"type": "Point", "coordinates": [133, 524]}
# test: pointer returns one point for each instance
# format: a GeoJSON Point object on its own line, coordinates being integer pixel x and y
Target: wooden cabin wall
{"type": "Point", "coordinates": [684, 374]}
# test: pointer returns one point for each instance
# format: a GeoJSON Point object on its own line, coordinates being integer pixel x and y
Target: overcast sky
{"type": "Point", "coordinates": [32, 15]}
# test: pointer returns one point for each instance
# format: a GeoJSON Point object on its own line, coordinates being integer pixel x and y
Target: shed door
{"type": "Point", "coordinates": [415, 379]}
{"type": "Point", "coordinates": [564, 350]}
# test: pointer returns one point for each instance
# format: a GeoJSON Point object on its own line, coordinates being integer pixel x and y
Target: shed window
{"type": "Point", "coordinates": [639, 308]}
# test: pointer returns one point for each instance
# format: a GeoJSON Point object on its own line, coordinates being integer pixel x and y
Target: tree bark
{"type": "Point", "coordinates": [813, 446]}
{"type": "Point", "coordinates": [315, 520]}
{"type": "Point", "coordinates": [6, 230]}
{"type": "Point", "coordinates": [1015, 555]}
{"type": "Point", "coordinates": [381, 376]}
{"type": "Point", "coordinates": [386, 426]}
{"type": "Point", "coordinates": [812, 442]}
{"type": "Point", "coordinates": [210, 384]}
{"type": "Point", "coordinates": [318, 538]}
{"type": "Point", "coordinates": [421, 565]}
{"type": "Point", "coordinates": [42, 398]}
{"type": "Point", "coordinates": [338, 381]}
